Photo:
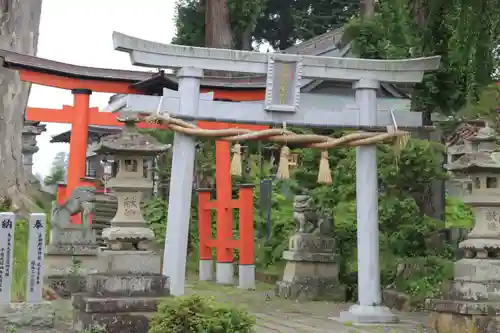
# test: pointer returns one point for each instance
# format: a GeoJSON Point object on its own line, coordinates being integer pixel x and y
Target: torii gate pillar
{"type": "Point", "coordinates": [367, 217]}
{"type": "Point", "coordinates": [179, 200]}
{"type": "Point", "coordinates": [79, 138]}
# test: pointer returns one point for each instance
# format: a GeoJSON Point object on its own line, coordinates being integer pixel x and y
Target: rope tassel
{"type": "Point", "coordinates": [236, 168]}
{"type": "Point", "coordinates": [284, 164]}
{"type": "Point", "coordinates": [324, 174]}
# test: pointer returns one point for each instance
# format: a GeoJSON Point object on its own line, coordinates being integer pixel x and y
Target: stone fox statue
{"type": "Point", "coordinates": [304, 213]}
{"type": "Point", "coordinates": [79, 202]}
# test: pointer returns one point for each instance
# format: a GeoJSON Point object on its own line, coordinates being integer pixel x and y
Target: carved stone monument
{"type": "Point", "coordinates": [72, 249]}
{"type": "Point", "coordinates": [311, 271]}
{"type": "Point", "coordinates": [473, 302]}
{"type": "Point", "coordinates": [125, 292]}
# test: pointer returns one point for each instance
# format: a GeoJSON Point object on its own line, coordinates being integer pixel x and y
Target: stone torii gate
{"type": "Point", "coordinates": [283, 104]}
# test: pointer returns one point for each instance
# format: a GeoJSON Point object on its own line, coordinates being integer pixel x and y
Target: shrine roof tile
{"type": "Point", "coordinates": [15, 60]}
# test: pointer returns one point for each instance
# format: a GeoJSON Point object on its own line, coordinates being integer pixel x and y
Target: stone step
{"type": "Point", "coordinates": [128, 285]}
{"type": "Point", "coordinates": [134, 322]}
{"type": "Point", "coordinates": [105, 209]}
{"type": "Point", "coordinates": [104, 218]}
{"type": "Point", "coordinates": [475, 291]}
{"type": "Point", "coordinates": [91, 304]}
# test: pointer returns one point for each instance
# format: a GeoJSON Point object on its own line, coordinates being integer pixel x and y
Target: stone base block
{"type": "Point", "coordinates": [70, 264]}
{"type": "Point", "coordinates": [299, 271]}
{"type": "Point", "coordinates": [475, 291]}
{"type": "Point", "coordinates": [112, 322]}
{"type": "Point", "coordinates": [206, 269]}
{"type": "Point", "coordinates": [485, 308]}
{"type": "Point", "coordinates": [73, 248]}
{"type": "Point", "coordinates": [66, 285]}
{"type": "Point", "coordinates": [463, 317]}
{"type": "Point", "coordinates": [369, 314]}
{"type": "Point", "coordinates": [312, 289]}
{"type": "Point", "coordinates": [112, 285]}
{"type": "Point", "coordinates": [396, 300]}
{"type": "Point", "coordinates": [115, 304]}
{"type": "Point", "coordinates": [29, 315]}
{"type": "Point", "coordinates": [224, 273]}
{"type": "Point", "coordinates": [460, 323]}
{"type": "Point", "coordinates": [130, 262]}
{"type": "Point", "coordinates": [476, 270]}
{"type": "Point", "coordinates": [246, 277]}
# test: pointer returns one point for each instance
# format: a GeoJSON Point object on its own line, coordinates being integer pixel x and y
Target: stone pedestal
{"type": "Point", "coordinates": [124, 294]}
{"type": "Point", "coordinates": [70, 255]}
{"type": "Point", "coordinates": [311, 271]}
{"type": "Point", "coordinates": [31, 130]}
{"type": "Point", "coordinates": [472, 303]}
{"type": "Point", "coordinates": [66, 265]}
{"type": "Point", "coordinates": [123, 297]}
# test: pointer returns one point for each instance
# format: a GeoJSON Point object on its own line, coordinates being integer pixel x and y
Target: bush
{"type": "Point", "coordinates": [458, 214]}
{"type": "Point", "coordinates": [195, 314]}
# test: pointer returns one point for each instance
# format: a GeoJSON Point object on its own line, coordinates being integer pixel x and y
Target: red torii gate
{"type": "Point", "coordinates": [82, 81]}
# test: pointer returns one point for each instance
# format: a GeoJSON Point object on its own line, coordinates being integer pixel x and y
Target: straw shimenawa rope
{"type": "Point", "coordinates": [284, 137]}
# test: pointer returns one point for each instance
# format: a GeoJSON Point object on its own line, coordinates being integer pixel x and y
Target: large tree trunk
{"type": "Point", "coordinates": [368, 8]}
{"type": "Point", "coordinates": [19, 26]}
{"type": "Point", "coordinates": [432, 202]}
{"type": "Point", "coordinates": [218, 32]}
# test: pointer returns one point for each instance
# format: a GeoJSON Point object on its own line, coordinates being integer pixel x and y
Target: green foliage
{"type": "Point", "coordinates": [427, 277]}
{"type": "Point", "coordinates": [155, 212]}
{"type": "Point", "coordinates": [20, 260]}
{"type": "Point", "coordinates": [280, 23]}
{"type": "Point", "coordinates": [400, 30]}
{"type": "Point", "coordinates": [458, 214]}
{"type": "Point", "coordinates": [284, 23]}
{"type": "Point", "coordinates": [268, 253]}
{"type": "Point", "coordinates": [190, 23]}
{"type": "Point", "coordinates": [194, 314]}
{"type": "Point", "coordinates": [57, 176]}
{"type": "Point", "coordinates": [486, 106]}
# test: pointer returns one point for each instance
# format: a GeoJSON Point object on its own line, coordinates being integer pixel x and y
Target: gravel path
{"type": "Point", "coordinates": [274, 315]}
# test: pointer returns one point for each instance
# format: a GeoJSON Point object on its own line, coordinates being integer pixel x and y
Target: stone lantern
{"type": "Point", "coordinates": [130, 149]}
{"type": "Point", "coordinates": [31, 130]}
{"type": "Point", "coordinates": [129, 270]}
{"type": "Point", "coordinates": [473, 300]}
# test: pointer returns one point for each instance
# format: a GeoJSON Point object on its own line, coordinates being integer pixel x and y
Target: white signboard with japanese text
{"type": "Point", "coordinates": [7, 224]}
{"type": "Point", "coordinates": [36, 245]}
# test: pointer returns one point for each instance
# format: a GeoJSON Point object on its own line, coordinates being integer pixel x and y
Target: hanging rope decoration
{"type": "Point", "coordinates": [324, 172]}
{"type": "Point", "coordinates": [236, 163]}
{"type": "Point", "coordinates": [285, 137]}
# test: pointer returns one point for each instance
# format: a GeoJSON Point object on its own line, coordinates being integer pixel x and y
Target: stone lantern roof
{"type": "Point", "coordinates": [130, 142]}
{"type": "Point", "coordinates": [484, 134]}
{"type": "Point", "coordinates": [476, 161]}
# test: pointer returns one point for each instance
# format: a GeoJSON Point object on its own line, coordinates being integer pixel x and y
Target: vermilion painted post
{"type": "Point", "coordinates": [61, 193]}
{"type": "Point", "coordinates": [246, 243]}
{"type": "Point", "coordinates": [224, 267]}
{"type": "Point", "coordinates": [205, 235]}
{"type": "Point", "coordinates": [78, 141]}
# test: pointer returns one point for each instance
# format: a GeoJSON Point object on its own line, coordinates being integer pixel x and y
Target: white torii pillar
{"type": "Point", "coordinates": [283, 104]}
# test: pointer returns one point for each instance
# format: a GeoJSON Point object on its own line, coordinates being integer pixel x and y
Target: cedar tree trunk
{"type": "Point", "coordinates": [19, 26]}
{"type": "Point", "coordinates": [218, 32]}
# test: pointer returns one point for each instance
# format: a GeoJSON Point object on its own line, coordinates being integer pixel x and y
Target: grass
{"type": "Point", "coordinates": [20, 261]}
{"type": "Point", "coordinates": [18, 291]}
